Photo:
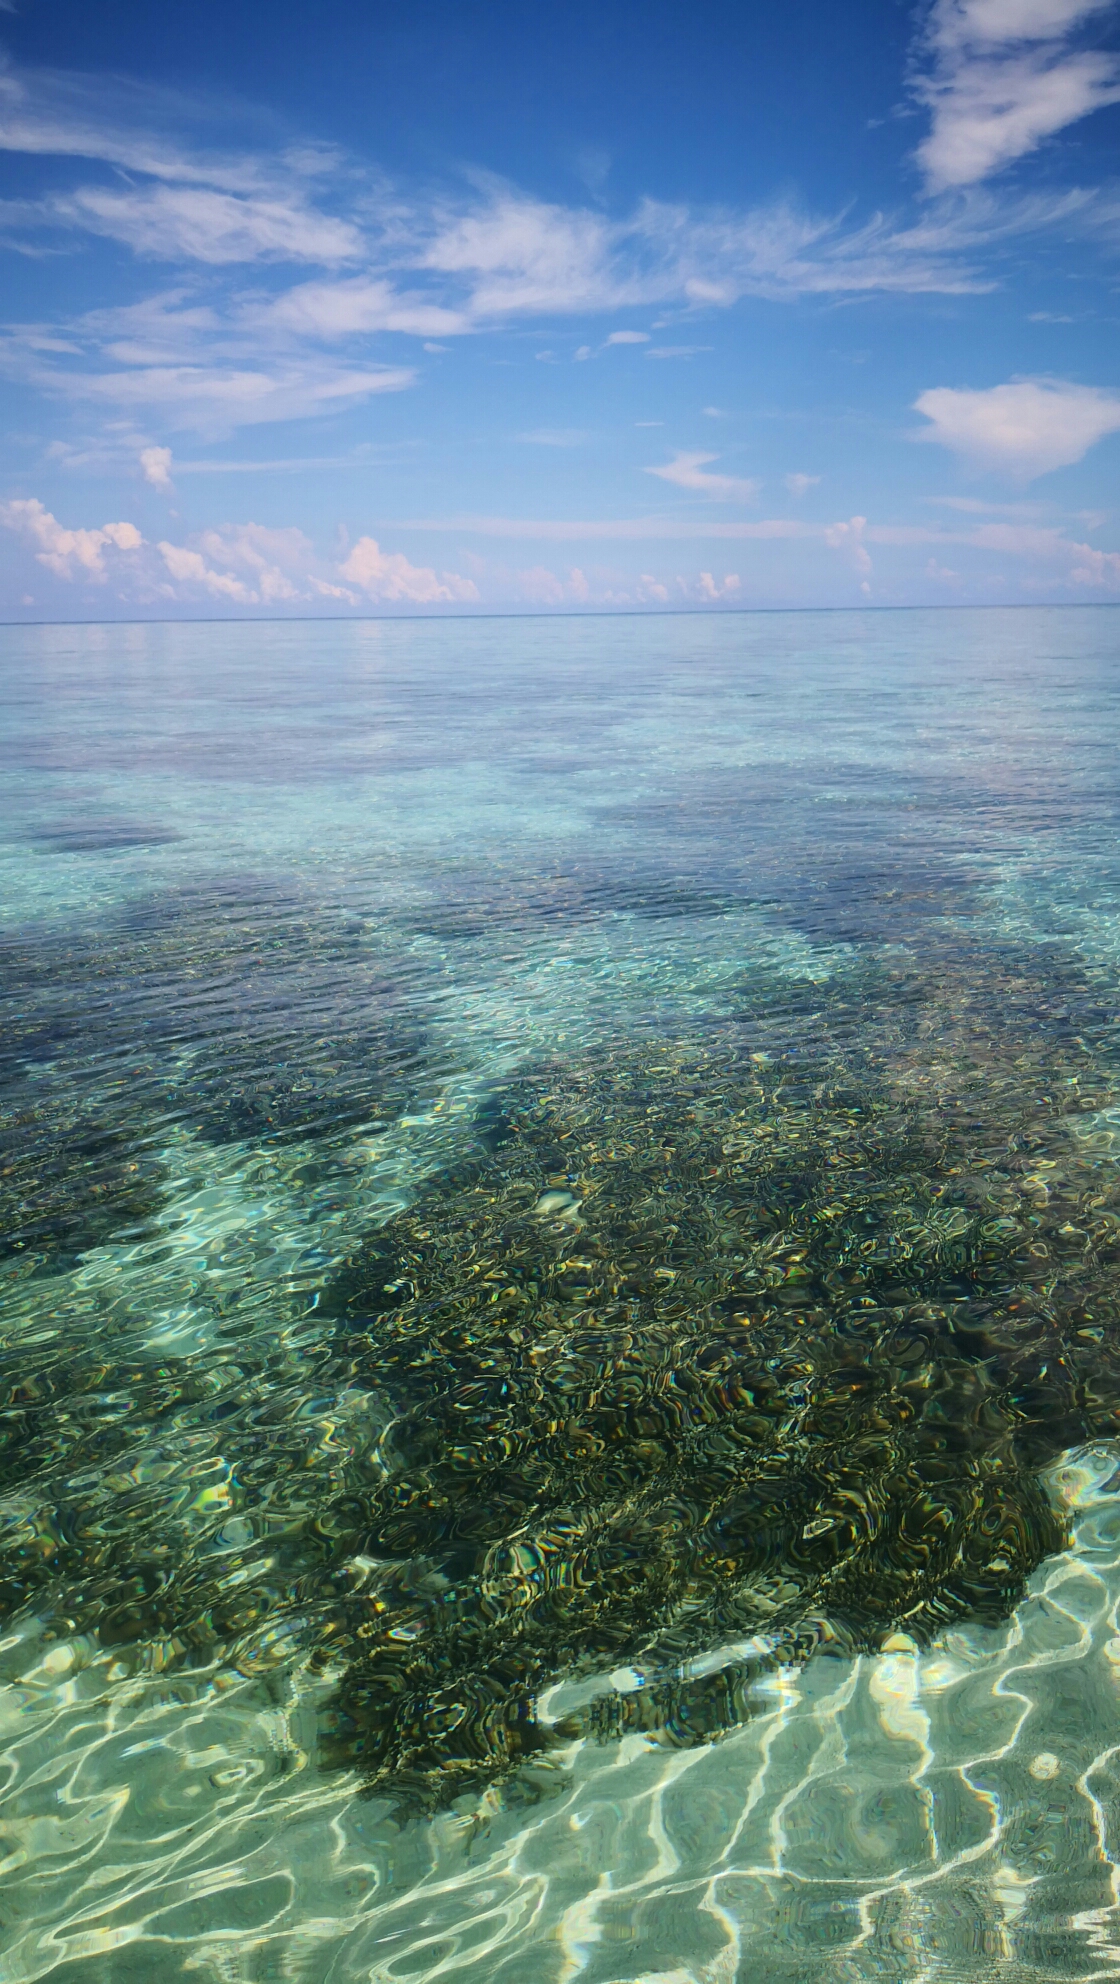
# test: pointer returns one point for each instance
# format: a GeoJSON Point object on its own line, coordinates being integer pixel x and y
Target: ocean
{"type": "Point", "coordinates": [560, 1331]}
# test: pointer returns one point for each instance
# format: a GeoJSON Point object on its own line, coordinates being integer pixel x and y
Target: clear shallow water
{"type": "Point", "coordinates": [315, 931]}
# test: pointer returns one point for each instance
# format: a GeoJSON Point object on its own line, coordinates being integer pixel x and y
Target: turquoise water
{"type": "Point", "coordinates": [396, 1010]}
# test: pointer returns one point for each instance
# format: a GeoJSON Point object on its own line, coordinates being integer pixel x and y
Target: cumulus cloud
{"type": "Point", "coordinates": [190, 569]}
{"type": "Point", "coordinates": [688, 471]}
{"type": "Point", "coordinates": [388, 578]}
{"type": "Point", "coordinates": [799, 485]}
{"type": "Point", "coordinates": [849, 537]}
{"type": "Point", "coordinates": [1023, 429]}
{"type": "Point", "coordinates": [1096, 568]}
{"type": "Point", "coordinates": [275, 560]}
{"type": "Point", "coordinates": [708, 588]}
{"type": "Point", "coordinates": [155, 467]}
{"type": "Point", "coordinates": [542, 587]}
{"type": "Point", "coordinates": [628, 337]}
{"type": "Point", "coordinates": [68, 553]}
{"type": "Point", "coordinates": [1002, 76]}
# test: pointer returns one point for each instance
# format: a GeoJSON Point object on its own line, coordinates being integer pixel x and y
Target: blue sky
{"type": "Point", "coordinates": [445, 309]}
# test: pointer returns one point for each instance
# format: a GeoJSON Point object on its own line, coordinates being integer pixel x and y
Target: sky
{"type": "Point", "coordinates": [440, 309]}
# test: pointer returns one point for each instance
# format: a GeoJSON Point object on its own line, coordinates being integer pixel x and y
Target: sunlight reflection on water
{"type": "Point", "coordinates": [284, 908]}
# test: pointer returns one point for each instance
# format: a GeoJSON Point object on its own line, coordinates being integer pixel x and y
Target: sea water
{"type": "Point", "coordinates": [325, 942]}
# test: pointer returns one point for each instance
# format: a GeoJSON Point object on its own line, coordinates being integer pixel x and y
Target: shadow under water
{"type": "Point", "coordinates": [709, 1343]}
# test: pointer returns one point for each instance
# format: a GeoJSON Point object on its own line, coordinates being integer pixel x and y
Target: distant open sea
{"type": "Point", "coordinates": [560, 1300]}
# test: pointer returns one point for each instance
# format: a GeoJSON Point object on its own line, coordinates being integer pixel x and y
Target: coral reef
{"type": "Point", "coordinates": [753, 1340]}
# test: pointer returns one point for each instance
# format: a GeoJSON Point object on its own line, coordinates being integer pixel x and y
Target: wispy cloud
{"type": "Point", "coordinates": [975, 506]}
{"type": "Point", "coordinates": [1023, 429]}
{"type": "Point", "coordinates": [290, 265]}
{"type": "Point", "coordinates": [186, 202]}
{"type": "Point", "coordinates": [497, 255]}
{"type": "Point", "coordinates": [331, 311]}
{"type": "Point", "coordinates": [556, 437]}
{"type": "Point", "coordinates": [1002, 76]}
{"type": "Point", "coordinates": [689, 471]}
{"type": "Point", "coordinates": [189, 368]}
{"type": "Point", "coordinates": [563, 530]}
{"type": "Point", "coordinates": [202, 224]}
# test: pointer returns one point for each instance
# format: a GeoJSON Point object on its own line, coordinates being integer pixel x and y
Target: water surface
{"type": "Point", "coordinates": [559, 1355]}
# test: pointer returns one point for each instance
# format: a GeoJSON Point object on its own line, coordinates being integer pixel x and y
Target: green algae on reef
{"type": "Point", "coordinates": [700, 1347]}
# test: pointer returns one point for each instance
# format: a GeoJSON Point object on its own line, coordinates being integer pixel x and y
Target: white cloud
{"type": "Point", "coordinates": [358, 305]}
{"type": "Point", "coordinates": [388, 577]}
{"type": "Point", "coordinates": [975, 506]}
{"type": "Point", "coordinates": [524, 256]}
{"type": "Point", "coordinates": [68, 553]}
{"type": "Point", "coordinates": [1039, 545]}
{"type": "Point", "coordinates": [155, 467]}
{"type": "Point", "coordinates": [213, 357]}
{"type": "Point", "coordinates": [203, 224]}
{"type": "Point", "coordinates": [799, 485]}
{"type": "Point", "coordinates": [203, 206]}
{"type": "Point", "coordinates": [1096, 568]}
{"type": "Point", "coordinates": [1025, 428]}
{"type": "Point", "coordinates": [261, 565]}
{"type": "Point", "coordinates": [708, 588]}
{"type": "Point", "coordinates": [212, 400]}
{"type": "Point", "coordinates": [274, 560]}
{"type": "Point", "coordinates": [556, 437]}
{"type": "Point", "coordinates": [688, 471]}
{"type": "Point", "coordinates": [244, 564]}
{"type": "Point", "coordinates": [632, 529]}
{"type": "Point", "coordinates": [190, 569]}
{"type": "Point", "coordinates": [542, 587]}
{"type": "Point", "coordinates": [516, 256]}
{"type": "Point", "coordinates": [1000, 77]}
{"type": "Point", "coordinates": [849, 536]}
